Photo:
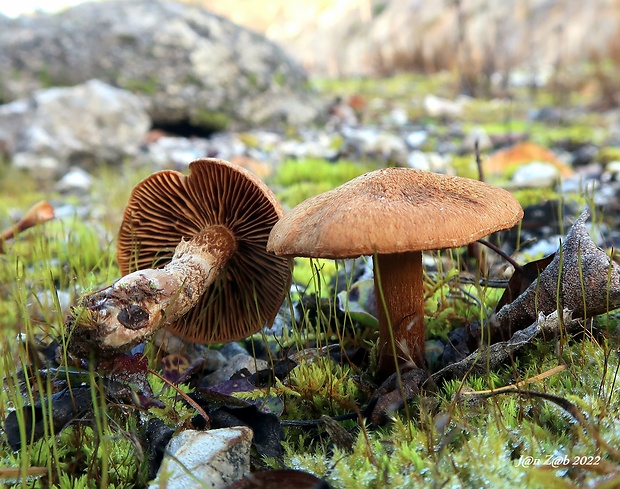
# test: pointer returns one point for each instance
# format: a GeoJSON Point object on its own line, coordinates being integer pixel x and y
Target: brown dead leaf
{"type": "Point", "coordinates": [581, 278]}
{"type": "Point", "coordinates": [522, 278]}
{"type": "Point", "coordinates": [522, 153]}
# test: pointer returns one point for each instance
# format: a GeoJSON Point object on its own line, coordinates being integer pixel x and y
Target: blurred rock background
{"type": "Point", "coordinates": [501, 38]}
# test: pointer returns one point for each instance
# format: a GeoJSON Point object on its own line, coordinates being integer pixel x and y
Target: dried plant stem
{"type": "Point", "coordinates": [501, 253]}
{"type": "Point", "coordinates": [116, 318]}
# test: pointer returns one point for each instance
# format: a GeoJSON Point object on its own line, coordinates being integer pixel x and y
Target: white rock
{"type": "Point", "coordinates": [536, 174]}
{"type": "Point", "coordinates": [418, 160]}
{"type": "Point", "coordinates": [480, 135]}
{"type": "Point", "coordinates": [613, 167]}
{"type": "Point", "coordinates": [91, 121]}
{"type": "Point", "coordinates": [389, 146]}
{"type": "Point", "coordinates": [427, 161]}
{"type": "Point", "coordinates": [42, 167]}
{"type": "Point", "coordinates": [416, 139]}
{"type": "Point", "coordinates": [75, 180]}
{"type": "Point", "coordinates": [442, 107]}
{"type": "Point", "coordinates": [398, 117]}
{"type": "Point", "coordinates": [198, 459]}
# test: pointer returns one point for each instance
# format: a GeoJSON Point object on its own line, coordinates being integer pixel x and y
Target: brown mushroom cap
{"type": "Point", "coordinates": [168, 206]}
{"type": "Point", "coordinates": [394, 210]}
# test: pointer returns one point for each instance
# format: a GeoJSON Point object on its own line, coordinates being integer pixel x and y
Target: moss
{"type": "Point", "coordinates": [45, 77]}
{"type": "Point", "coordinates": [318, 170]}
{"type": "Point", "coordinates": [465, 166]}
{"type": "Point", "coordinates": [210, 120]}
{"type": "Point", "coordinates": [249, 139]}
{"type": "Point", "coordinates": [483, 442]}
{"type": "Point", "coordinates": [147, 86]}
{"type": "Point", "coordinates": [313, 276]}
{"type": "Point", "coordinates": [609, 154]}
{"type": "Point", "coordinates": [297, 180]}
{"type": "Point", "coordinates": [279, 78]}
{"type": "Point", "coordinates": [577, 132]}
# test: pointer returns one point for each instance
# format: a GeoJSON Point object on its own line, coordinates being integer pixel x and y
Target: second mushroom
{"type": "Point", "coordinates": [395, 214]}
{"type": "Point", "coordinates": [193, 253]}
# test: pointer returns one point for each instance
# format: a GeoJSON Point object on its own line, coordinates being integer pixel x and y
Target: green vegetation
{"type": "Point", "coordinates": [296, 180]}
{"type": "Point", "coordinates": [210, 120]}
{"type": "Point", "coordinates": [147, 86]}
{"type": "Point", "coordinates": [443, 438]}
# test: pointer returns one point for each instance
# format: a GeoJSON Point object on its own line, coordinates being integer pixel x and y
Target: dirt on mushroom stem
{"type": "Point", "coordinates": [112, 320]}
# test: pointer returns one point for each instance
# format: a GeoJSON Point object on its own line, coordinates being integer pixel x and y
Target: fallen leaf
{"type": "Point", "coordinates": [581, 278]}
{"type": "Point", "coordinates": [359, 302]}
{"type": "Point", "coordinates": [66, 406]}
{"type": "Point", "coordinates": [279, 479]}
{"type": "Point", "coordinates": [521, 153]}
{"type": "Point", "coordinates": [393, 393]}
{"type": "Point", "coordinates": [522, 278]}
{"type": "Point", "coordinates": [227, 411]}
{"type": "Point", "coordinates": [489, 358]}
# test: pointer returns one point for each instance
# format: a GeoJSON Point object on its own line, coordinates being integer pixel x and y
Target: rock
{"type": "Point", "coordinates": [478, 134]}
{"type": "Point", "coordinates": [369, 38]}
{"type": "Point", "coordinates": [397, 117]}
{"type": "Point", "coordinates": [418, 160]}
{"type": "Point", "coordinates": [613, 168]}
{"type": "Point", "coordinates": [172, 344]}
{"type": "Point", "coordinates": [76, 180]}
{"type": "Point", "coordinates": [240, 362]}
{"type": "Point", "coordinates": [372, 142]}
{"type": "Point", "coordinates": [14, 117]}
{"type": "Point", "coordinates": [427, 161]}
{"type": "Point", "coordinates": [214, 458]}
{"type": "Point", "coordinates": [77, 125]}
{"type": "Point", "coordinates": [536, 174]}
{"type": "Point", "coordinates": [584, 154]}
{"type": "Point", "coordinates": [442, 107]}
{"type": "Point", "coordinates": [175, 152]}
{"type": "Point", "coordinates": [43, 167]}
{"type": "Point", "coordinates": [416, 139]}
{"type": "Point", "coordinates": [188, 65]}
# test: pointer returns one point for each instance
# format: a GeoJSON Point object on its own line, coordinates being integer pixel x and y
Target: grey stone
{"type": "Point", "coordinates": [75, 125]}
{"type": "Point", "coordinates": [477, 135]}
{"type": "Point", "coordinates": [214, 458]}
{"type": "Point", "coordinates": [187, 64]}
{"type": "Point", "coordinates": [76, 180]}
{"type": "Point", "coordinates": [234, 365]}
{"type": "Point", "coordinates": [416, 139]}
{"type": "Point", "coordinates": [536, 174]}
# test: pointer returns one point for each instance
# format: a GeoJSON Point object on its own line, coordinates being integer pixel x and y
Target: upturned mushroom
{"type": "Point", "coordinates": [193, 253]}
{"type": "Point", "coordinates": [395, 214]}
{"type": "Point", "coordinates": [39, 213]}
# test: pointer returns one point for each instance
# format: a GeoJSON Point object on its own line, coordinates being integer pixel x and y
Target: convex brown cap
{"type": "Point", "coordinates": [169, 207]}
{"type": "Point", "coordinates": [394, 210]}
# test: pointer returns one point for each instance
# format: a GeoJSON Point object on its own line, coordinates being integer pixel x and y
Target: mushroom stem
{"type": "Point", "coordinates": [399, 282]}
{"type": "Point", "coordinates": [116, 318]}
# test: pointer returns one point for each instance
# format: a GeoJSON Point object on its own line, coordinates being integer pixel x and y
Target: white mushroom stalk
{"type": "Point", "coordinates": [133, 308]}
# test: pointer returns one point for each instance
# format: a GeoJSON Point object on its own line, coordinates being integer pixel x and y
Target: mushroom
{"type": "Point", "coordinates": [395, 214]}
{"type": "Point", "coordinates": [193, 253]}
{"type": "Point", "coordinates": [40, 212]}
